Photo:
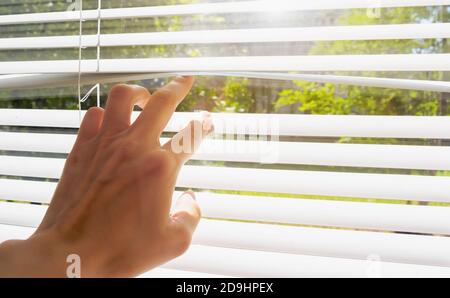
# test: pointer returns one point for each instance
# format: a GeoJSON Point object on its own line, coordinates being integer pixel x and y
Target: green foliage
{"type": "Point", "coordinates": [318, 98]}
{"type": "Point", "coordinates": [314, 99]}
{"type": "Point", "coordinates": [236, 96]}
{"type": "Point", "coordinates": [330, 99]}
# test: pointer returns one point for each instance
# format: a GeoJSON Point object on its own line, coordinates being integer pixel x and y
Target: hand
{"type": "Point", "coordinates": [112, 204]}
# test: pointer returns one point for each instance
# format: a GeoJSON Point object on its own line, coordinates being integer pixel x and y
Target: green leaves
{"type": "Point", "coordinates": [314, 98]}
{"type": "Point", "coordinates": [317, 98]}
{"type": "Point", "coordinates": [236, 96]}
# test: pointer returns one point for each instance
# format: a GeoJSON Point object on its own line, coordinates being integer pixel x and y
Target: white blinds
{"type": "Point", "coordinates": [383, 62]}
{"type": "Point", "coordinates": [332, 190]}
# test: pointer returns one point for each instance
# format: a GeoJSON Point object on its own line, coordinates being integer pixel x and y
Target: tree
{"type": "Point", "coordinates": [315, 98]}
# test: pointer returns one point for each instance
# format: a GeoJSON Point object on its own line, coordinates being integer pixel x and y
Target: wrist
{"type": "Point", "coordinates": [39, 256]}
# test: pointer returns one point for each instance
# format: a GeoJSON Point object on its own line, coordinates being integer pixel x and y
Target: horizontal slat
{"type": "Point", "coordinates": [435, 127]}
{"type": "Point", "coordinates": [404, 218]}
{"type": "Point", "coordinates": [249, 263]}
{"type": "Point", "coordinates": [372, 186]}
{"type": "Point", "coordinates": [26, 191]}
{"type": "Point", "coordinates": [21, 214]}
{"type": "Point", "coordinates": [423, 250]}
{"type": "Point", "coordinates": [211, 8]}
{"type": "Point", "coordinates": [388, 217]}
{"type": "Point", "coordinates": [8, 232]}
{"type": "Point", "coordinates": [389, 62]}
{"type": "Point", "coordinates": [368, 32]}
{"type": "Point", "coordinates": [30, 81]}
{"type": "Point", "coordinates": [39, 142]}
{"type": "Point", "coordinates": [352, 155]}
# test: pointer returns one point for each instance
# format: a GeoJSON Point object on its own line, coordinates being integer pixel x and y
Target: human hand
{"type": "Point", "coordinates": [112, 204]}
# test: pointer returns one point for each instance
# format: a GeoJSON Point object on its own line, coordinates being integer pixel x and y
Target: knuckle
{"type": "Point", "coordinates": [124, 149]}
{"type": "Point", "coordinates": [164, 163]}
{"type": "Point", "coordinates": [104, 143]}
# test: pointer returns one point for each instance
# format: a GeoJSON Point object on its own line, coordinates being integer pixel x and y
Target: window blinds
{"type": "Point", "coordinates": [330, 196]}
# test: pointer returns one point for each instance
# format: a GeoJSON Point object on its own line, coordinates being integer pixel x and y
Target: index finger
{"type": "Point", "coordinates": [161, 106]}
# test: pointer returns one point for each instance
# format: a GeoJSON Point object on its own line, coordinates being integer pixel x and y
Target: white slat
{"type": "Point", "coordinates": [39, 142]}
{"type": "Point", "coordinates": [388, 217]}
{"type": "Point", "coordinates": [389, 62]}
{"type": "Point", "coordinates": [8, 232]}
{"type": "Point", "coordinates": [372, 186]}
{"type": "Point", "coordinates": [404, 218]}
{"type": "Point", "coordinates": [381, 186]}
{"type": "Point", "coordinates": [423, 250]}
{"type": "Point", "coordinates": [352, 155]}
{"type": "Point", "coordinates": [367, 32]}
{"type": "Point", "coordinates": [22, 215]}
{"type": "Point", "coordinates": [30, 81]}
{"type": "Point", "coordinates": [211, 8]}
{"type": "Point", "coordinates": [26, 191]}
{"type": "Point", "coordinates": [248, 263]}
{"type": "Point", "coordinates": [434, 127]}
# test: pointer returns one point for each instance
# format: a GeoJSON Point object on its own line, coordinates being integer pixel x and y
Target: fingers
{"type": "Point", "coordinates": [91, 124]}
{"type": "Point", "coordinates": [184, 221]}
{"type": "Point", "coordinates": [161, 106]}
{"type": "Point", "coordinates": [185, 143]}
{"type": "Point", "coordinates": [121, 101]}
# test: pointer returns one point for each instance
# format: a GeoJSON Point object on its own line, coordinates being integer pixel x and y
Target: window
{"type": "Point", "coordinates": [330, 156]}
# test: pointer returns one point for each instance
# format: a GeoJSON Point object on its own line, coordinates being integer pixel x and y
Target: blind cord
{"type": "Point", "coordinates": [97, 86]}
{"type": "Point", "coordinates": [99, 23]}
{"type": "Point", "coordinates": [80, 49]}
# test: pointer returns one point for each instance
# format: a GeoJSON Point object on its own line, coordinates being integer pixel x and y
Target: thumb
{"type": "Point", "coordinates": [184, 221]}
{"type": "Point", "coordinates": [187, 211]}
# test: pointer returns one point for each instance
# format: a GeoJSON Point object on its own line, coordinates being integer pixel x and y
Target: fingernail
{"type": "Point", "coordinates": [187, 195]}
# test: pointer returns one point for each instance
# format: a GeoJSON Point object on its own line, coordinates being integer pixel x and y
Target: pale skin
{"type": "Point", "coordinates": [112, 204]}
